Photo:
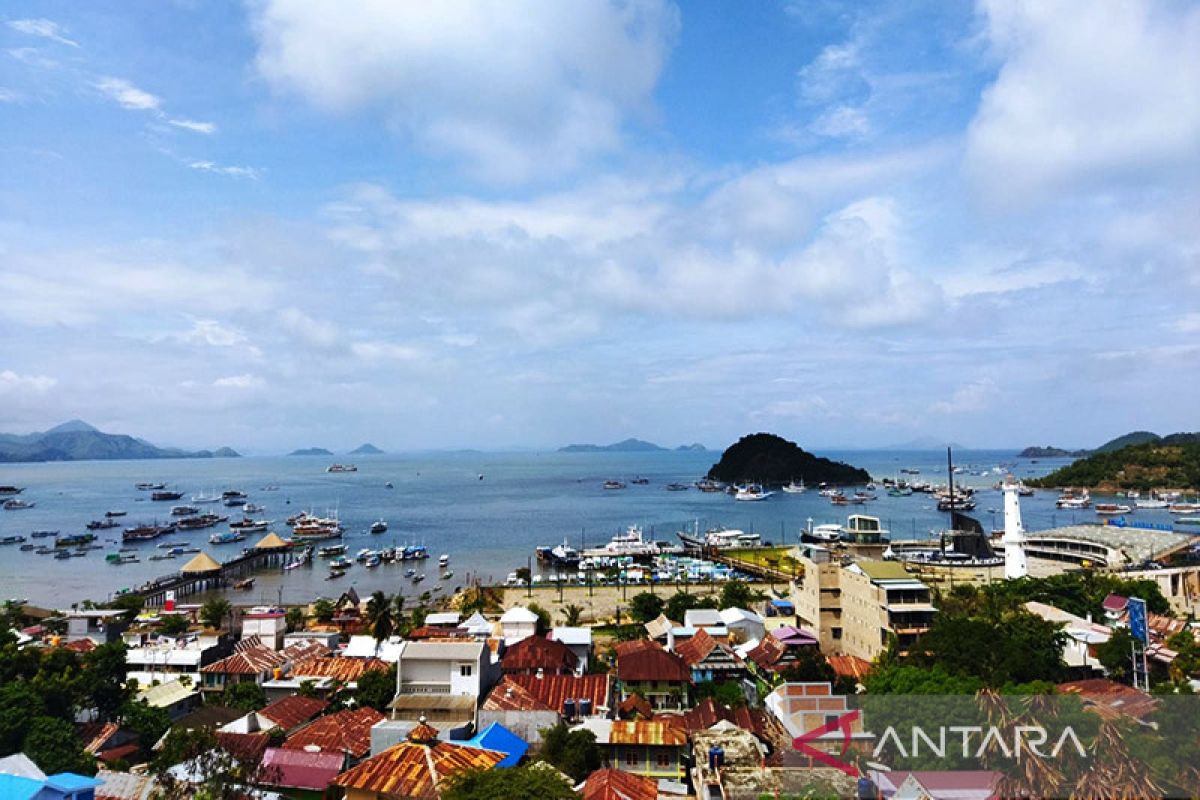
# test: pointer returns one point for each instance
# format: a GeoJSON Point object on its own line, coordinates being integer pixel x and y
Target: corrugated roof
{"type": "Point", "coordinates": [245, 747]}
{"type": "Point", "coordinates": [883, 570]}
{"type": "Point", "coordinates": [305, 650]}
{"type": "Point", "coordinates": [415, 770]}
{"type": "Point", "coordinates": [251, 661]}
{"type": "Point", "coordinates": [96, 735]}
{"type": "Point", "coordinates": [658, 732]}
{"type": "Point", "coordinates": [1110, 699]}
{"type": "Point", "coordinates": [299, 769]}
{"type": "Point", "coordinates": [453, 651]}
{"type": "Point", "coordinates": [124, 786]}
{"type": "Point", "coordinates": [613, 784]}
{"type": "Point", "coordinates": [167, 694]}
{"type": "Point", "coordinates": [345, 670]}
{"type": "Point", "coordinates": [292, 711]}
{"type": "Point", "coordinates": [537, 652]}
{"type": "Point", "coordinates": [849, 666]}
{"type": "Point", "coordinates": [697, 648]}
{"type": "Point", "coordinates": [635, 704]}
{"type": "Point", "coordinates": [81, 645]}
{"type": "Point", "coordinates": [346, 731]}
{"type": "Point", "coordinates": [650, 662]}
{"type": "Point", "coordinates": [201, 562]}
{"type": "Point", "coordinates": [659, 626]}
{"type": "Point", "coordinates": [208, 717]}
{"type": "Point", "coordinates": [530, 693]}
{"type": "Point", "coordinates": [708, 713]}
{"type": "Point", "coordinates": [433, 632]}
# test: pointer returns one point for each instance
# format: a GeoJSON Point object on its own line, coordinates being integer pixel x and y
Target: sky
{"type": "Point", "coordinates": [525, 223]}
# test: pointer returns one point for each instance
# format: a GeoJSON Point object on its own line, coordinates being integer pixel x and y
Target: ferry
{"type": "Point", "coordinates": [827, 533]}
{"type": "Point", "coordinates": [720, 538]}
{"type": "Point", "coordinates": [627, 543]}
{"type": "Point", "coordinates": [144, 532]}
{"type": "Point", "coordinates": [341, 468]}
{"type": "Point", "coordinates": [332, 550]}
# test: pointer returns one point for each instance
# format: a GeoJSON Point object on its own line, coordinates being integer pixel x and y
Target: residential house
{"type": "Point", "coordinates": [251, 662]}
{"type": "Point", "coordinates": [580, 642]}
{"type": "Point", "coordinates": [368, 647]}
{"type": "Point", "coordinates": [936, 785]}
{"type": "Point", "coordinates": [175, 696]}
{"type": "Point", "coordinates": [21, 779]}
{"type": "Point", "coordinates": [477, 626]}
{"type": "Point", "coordinates": [125, 786]}
{"type": "Point", "coordinates": [416, 767]}
{"type": "Point", "coordinates": [268, 624]}
{"type": "Point", "coordinates": [778, 651]}
{"type": "Point", "coordinates": [443, 667]}
{"type": "Point", "coordinates": [287, 714]}
{"type": "Point", "coordinates": [646, 669]}
{"type": "Point", "coordinates": [616, 784]}
{"type": "Point", "coordinates": [708, 712]}
{"type": "Point", "coordinates": [710, 660]}
{"type": "Point", "coordinates": [1111, 700]}
{"type": "Point", "coordinates": [743, 625]}
{"type": "Point", "coordinates": [97, 625]}
{"type": "Point", "coordinates": [347, 732]}
{"type": "Point", "coordinates": [804, 707]}
{"type": "Point", "coordinates": [152, 658]}
{"type": "Point", "coordinates": [654, 748]}
{"type": "Point", "coordinates": [301, 773]}
{"type": "Point", "coordinates": [443, 619]}
{"type": "Point", "coordinates": [697, 618]}
{"type": "Point", "coordinates": [528, 704]}
{"type": "Point", "coordinates": [517, 623]}
{"type": "Point", "coordinates": [538, 655]}
{"type": "Point", "coordinates": [1082, 636]}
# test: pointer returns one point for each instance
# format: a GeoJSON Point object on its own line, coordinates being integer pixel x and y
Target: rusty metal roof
{"type": "Point", "coordinates": [849, 666]}
{"type": "Point", "coordinates": [613, 784]}
{"type": "Point", "coordinates": [345, 670]}
{"type": "Point", "coordinates": [531, 693]}
{"type": "Point", "coordinates": [415, 770]}
{"type": "Point", "coordinates": [537, 652]}
{"type": "Point", "coordinates": [708, 713]}
{"type": "Point", "coordinates": [245, 747]}
{"type": "Point", "coordinates": [302, 651]}
{"type": "Point", "coordinates": [698, 648]}
{"type": "Point", "coordinates": [651, 663]}
{"type": "Point", "coordinates": [293, 711]}
{"type": "Point", "coordinates": [346, 731]}
{"type": "Point", "coordinates": [660, 732]}
{"type": "Point", "coordinates": [635, 704]}
{"type": "Point", "coordinates": [250, 661]}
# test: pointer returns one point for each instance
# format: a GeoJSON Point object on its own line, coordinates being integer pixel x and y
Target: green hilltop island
{"type": "Point", "coordinates": [1148, 463]}
{"type": "Point", "coordinates": [78, 441]}
{"type": "Point", "coordinates": [774, 461]}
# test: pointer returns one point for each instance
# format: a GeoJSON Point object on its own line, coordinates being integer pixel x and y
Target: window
{"type": "Point", "coordinates": [631, 757]}
{"type": "Point", "coordinates": [664, 759]}
{"type": "Point", "coordinates": [837, 632]}
{"type": "Point", "coordinates": [465, 670]}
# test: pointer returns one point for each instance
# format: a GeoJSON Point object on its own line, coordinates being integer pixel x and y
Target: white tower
{"type": "Point", "coordinates": [1015, 565]}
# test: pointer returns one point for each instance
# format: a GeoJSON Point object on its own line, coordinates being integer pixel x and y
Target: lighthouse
{"type": "Point", "coordinates": [1015, 565]}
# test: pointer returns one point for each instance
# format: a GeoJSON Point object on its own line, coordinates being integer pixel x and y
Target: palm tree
{"type": "Point", "coordinates": [1115, 773]}
{"type": "Point", "coordinates": [379, 615]}
{"type": "Point", "coordinates": [572, 614]}
{"type": "Point", "coordinates": [214, 612]}
{"type": "Point", "coordinates": [295, 618]}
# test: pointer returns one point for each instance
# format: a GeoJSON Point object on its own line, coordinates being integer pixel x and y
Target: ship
{"type": "Point", "coordinates": [341, 468]}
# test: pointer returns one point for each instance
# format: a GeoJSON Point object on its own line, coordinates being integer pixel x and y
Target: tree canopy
{"type": "Point", "coordinates": [518, 783]}
{"type": "Point", "coordinates": [574, 752]}
{"type": "Point", "coordinates": [770, 459]}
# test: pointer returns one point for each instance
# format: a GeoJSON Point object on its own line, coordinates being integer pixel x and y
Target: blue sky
{"type": "Point", "coordinates": [522, 224]}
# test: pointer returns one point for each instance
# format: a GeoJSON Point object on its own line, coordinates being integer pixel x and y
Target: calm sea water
{"type": "Point", "coordinates": [488, 527]}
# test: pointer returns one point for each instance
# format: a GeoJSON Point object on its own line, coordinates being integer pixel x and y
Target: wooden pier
{"type": "Point", "coordinates": [205, 574]}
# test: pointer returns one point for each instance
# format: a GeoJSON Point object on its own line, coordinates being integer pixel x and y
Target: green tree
{"type": "Point", "coordinates": [245, 696]}
{"type": "Point", "coordinates": [133, 603]}
{"type": "Point", "coordinates": [645, 606]}
{"type": "Point", "coordinates": [217, 774]}
{"type": "Point", "coordinates": [811, 666]}
{"type": "Point", "coordinates": [574, 752]}
{"type": "Point", "coordinates": [19, 705]}
{"type": "Point", "coordinates": [683, 602]}
{"type": "Point", "coordinates": [173, 624]}
{"type": "Point", "coordinates": [148, 722]}
{"type": "Point", "coordinates": [572, 615]}
{"type": "Point", "coordinates": [739, 594]}
{"type": "Point", "coordinates": [518, 783]}
{"type": "Point", "coordinates": [54, 746]}
{"type": "Point", "coordinates": [324, 609]}
{"type": "Point", "coordinates": [214, 612]}
{"type": "Point", "coordinates": [543, 621]}
{"type": "Point", "coordinates": [1016, 648]}
{"type": "Point", "coordinates": [103, 678]}
{"type": "Point", "coordinates": [379, 616]}
{"type": "Point", "coordinates": [377, 688]}
{"type": "Point", "coordinates": [1116, 655]}
{"type": "Point", "coordinates": [898, 679]}
{"type": "Point", "coordinates": [295, 618]}
{"type": "Point", "coordinates": [726, 693]}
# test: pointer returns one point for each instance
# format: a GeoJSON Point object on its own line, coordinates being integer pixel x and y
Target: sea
{"type": "Point", "coordinates": [486, 511]}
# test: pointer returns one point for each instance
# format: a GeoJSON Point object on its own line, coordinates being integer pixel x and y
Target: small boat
{"type": "Point", "coordinates": [6, 491]}
{"type": "Point", "coordinates": [388, 485]}
{"type": "Point", "coordinates": [332, 550]}
{"type": "Point", "coordinates": [270, 488]}
{"type": "Point", "coordinates": [677, 487]}
{"type": "Point", "coordinates": [614, 485]}
{"type": "Point", "coordinates": [27, 547]}
{"type": "Point", "coordinates": [372, 561]}
{"type": "Point", "coordinates": [443, 560]}
{"type": "Point", "coordinates": [1112, 509]}
{"type": "Point", "coordinates": [245, 584]}
{"type": "Point", "coordinates": [341, 468]}
{"type": "Point", "coordinates": [148, 487]}
{"type": "Point", "coordinates": [114, 513]}
{"type": "Point", "coordinates": [1184, 508]}
{"type": "Point", "coordinates": [247, 525]}
{"type": "Point", "coordinates": [99, 525]}
{"type": "Point", "coordinates": [42, 534]}
{"type": "Point", "coordinates": [75, 540]}
{"type": "Point", "coordinates": [252, 508]}
{"type": "Point", "coordinates": [163, 496]}
{"type": "Point", "coordinates": [334, 574]}
{"type": "Point", "coordinates": [17, 505]}
{"type": "Point", "coordinates": [418, 578]}
{"type": "Point", "coordinates": [12, 540]}
{"type": "Point", "coordinates": [206, 498]}
{"type": "Point", "coordinates": [121, 558]}
{"type": "Point", "coordinates": [751, 492]}
{"type": "Point", "coordinates": [234, 502]}
{"type": "Point", "coordinates": [230, 494]}
{"type": "Point", "coordinates": [62, 555]}
{"type": "Point", "coordinates": [227, 537]}
{"type": "Point", "coordinates": [201, 521]}
{"type": "Point", "coordinates": [447, 575]}
{"type": "Point", "coordinates": [379, 526]}
{"type": "Point", "coordinates": [796, 488]}
{"type": "Point", "coordinates": [341, 562]}
{"type": "Point", "coordinates": [408, 573]}
{"type": "Point", "coordinates": [144, 532]}
{"type": "Point", "coordinates": [640, 481]}
{"type": "Point", "coordinates": [182, 511]}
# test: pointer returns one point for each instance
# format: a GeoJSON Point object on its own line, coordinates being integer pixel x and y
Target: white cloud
{"type": "Point", "coordinates": [207, 128]}
{"type": "Point", "coordinates": [1188, 323]}
{"type": "Point", "coordinates": [975, 396]}
{"type": "Point", "coordinates": [321, 334]}
{"type": "Point", "coordinates": [250, 173]}
{"type": "Point", "coordinates": [841, 121]}
{"type": "Point", "coordinates": [515, 89]}
{"type": "Point", "coordinates": [128, 96]}
{"type": "Point", "coordinates": [246, 381]}
{"type": "Point", "coordinates": [386, 351]}
{"type": "Point", "coordinates": [31, 56]}
{"type": "Point", "coordinates": [13, 384]}
{"type": "Point", "coordinates": [9, 96]}
{"type": "Point", "coordinates": [1085, 92]}
{"type": "Point", "coordinates": [47, 29]}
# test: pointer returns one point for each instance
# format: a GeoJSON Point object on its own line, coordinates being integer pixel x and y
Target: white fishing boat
{"type": "Point", "coordinates": [796, 488]}
{"type": "Point", "coordinates": [720, 538]}
{"type": "Point", "coordinates": [443, 560]}
{"type": "Point", "coordinates": [751, 492]}
{"type": "Point", "coordinates": [627, 543]}
{"type": "Point", "coordinates": [1112, 509]}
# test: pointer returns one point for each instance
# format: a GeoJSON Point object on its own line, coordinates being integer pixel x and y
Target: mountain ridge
{"type": "Point", "coordinates": [76, 440]}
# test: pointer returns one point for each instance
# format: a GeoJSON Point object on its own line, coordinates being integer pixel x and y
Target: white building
{"type": "Point", "coordinates": [268, 624]}
{"type": "Point", "coordinates": [580, 642]}
{"type": "Point", "coordinates": [165, 658]}
{"type": "Point", "coordinates": [743, 625]}
{"type": "Point", "coordinates": [440, 667]}
{"type": "Point", "coordinates": [518, 623]}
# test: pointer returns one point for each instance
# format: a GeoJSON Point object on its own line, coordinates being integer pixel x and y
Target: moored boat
{"type": "Point", "coordinates": [751, 492]}
{"type": "Point", "coordinates": [379, 526]}
{"type": "Point", "coordinates": [341, 468]}
{"type": "Point", "coordinates": [165, 495]}
{"type": "Point", "coordinates": [226, 537]}
{"type": "Point", "coordinates": [1111, 509]}
{"type": "Point", "coordinates": [795, 488]}
{"type": "Point", "coordinates": [144, 532]}
{"type": "Point", "coordinates": [17, 505]}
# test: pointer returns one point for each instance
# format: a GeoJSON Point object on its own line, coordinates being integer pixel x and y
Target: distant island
{"type": "Point", "coordinates": [1169, 462]}
{"type": "Point", "coordinates": [366, 450]}
{"type": "Point", "coordinates": [1111, 446]}
{"type": "Point", "coordinates": [78, 441]}
{"type": "Point", "coordinates": [626, 446]}
{"type": "Point", "coordinates": [1050, 452]}
{"type": "Point", "coordinates": [695, 447]}
{"type": "Point", "coordinates": [311, 451]}
{"type": "Point", "coordinates": [773, 461]}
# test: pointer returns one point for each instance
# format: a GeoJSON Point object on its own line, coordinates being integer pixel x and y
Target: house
{"type": "Point", "coordinates": [804, 707]}
{"type": "Point", "coordinates": [654, 748]}
{"type": "Point", "coordinates": [416, 767]}
{"type": "Point", "coordinates": [936, 785]}
{"type": "Point", "coordinates": [709, 659]}
{"type": "Point", "coordinates": [452, 668]}
{"type": "Point", "coordinates": [125, 786]}
{"type": "Point", "coordinates": [615, 784]}
{"type": "Point", "coordinates": [499, 739]}
{"type": "Point", "coordinates": [850, 667]}
{"type": "Point", "coordinates": [779, 650]}
{"type": "Point", "coordinates": [287, 714]}
{"type": "Point", "coordinates": [347, 732]}
{"type": "Point", "coordinates": [97, 625]}
{"type": "Point", "coordinates": [337, 669]}
{"type": "Point", "coordinates": [517, 623]}
{"type": "Point", "coordinates": [580, 642]}
{"type": "Point", "coordinates": [443, 619]}
{"type": "Point", "coordinates": [367, 647]}
{"type": "Point", "coordinates": [299, 771]}
{"type": "Point", "coordinates": [703, 618]}
{"type": "Point", "coordinates": [646, 669]}
{"type": "Point", "coordinates": [1111, 700]}
{"type": "Point", "coordinates": [329, 639]}
{"type": "Point", "coordinates": [107, 741]}
{"type": "Point", "coordinates": [1082, 636]}
{"type": "Point", "coordinates": [527, 704]}
{"type": "Point", "coordinates": [743, 625]}
{"type": "Point", "coordinates": [151, 658]}
{"type": "Point", "coordinates": [251, 662]}
{"type": "Point", "coordinates": [175, 696]}
{"type": "Point", "coordinates": [477, 626]}
{"type": "Point", "coordinates": [708, 712]}
{"type": "Point", "coordinates": [268, 624]}
{"type": "Point", "coordinates": [21, 779]}
{"type": "Point", "coordinates": [537, 654]}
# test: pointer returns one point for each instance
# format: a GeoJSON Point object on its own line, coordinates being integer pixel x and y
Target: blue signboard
{"type": "Point", "coordinates": [1137, 620]}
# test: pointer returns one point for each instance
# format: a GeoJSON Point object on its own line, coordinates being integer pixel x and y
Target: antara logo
{"type": "Point", "coordinates": [992, 741]}
{"type": "Point", "coordinates": [842, 723]}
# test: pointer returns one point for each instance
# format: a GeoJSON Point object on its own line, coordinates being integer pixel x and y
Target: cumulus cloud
{"type": "Point", "coordinates": [128, 96]}
{"type": "Point", "coordinates": [249, 173]}
{"type": "Point", "coordinates": [246, 381]}
{"type": "Point", "coordinates": [970, 397]}
{"type": "Point", "coordinates": [1085, 93]}
{"type": "Point", "coordinates": [207, 128]}
{"type": "Point", "coordinates": [512, 89]}
{"type": "Point", "coordinates": [45, 28]}
{"type": "Point", "coordinates": [12, 383]}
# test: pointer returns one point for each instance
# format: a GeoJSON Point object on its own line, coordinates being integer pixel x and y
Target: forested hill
{"type": "Point", "coordinates": [1157, 464]}
{"type": "Point", "coordinates": [772, 460]}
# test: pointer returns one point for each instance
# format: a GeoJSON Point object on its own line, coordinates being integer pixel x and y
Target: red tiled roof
{"type": "Point", "coordinates": [699, 647]}
{"type": "Point", "coordinates": [81, 645]}
{"type": "Point", "coordinates": [248, 661]}
{"type": "Point", "coordinates": [303, 651]}
{"type": "Point", "coordinates": [292, 711]}
{"type": "Point", "coordinates": [635, 703]}
{"type": "Point", "coordinates": [708, 713]}
{"type": "Point", "coordinates": [613, 784]}
{"type": "Point", "coordinates": [433, 632]}
{"type": "Point", "coordinates": [252, 642]}
{"type": "Point", "coordinates": [530, 693]}
{"type": "Point", "coordinates": [1115, 603]}
{"type": "Point", "coordinates": [299, 769]}
{"type": "Point", "coordinates": [660, 732]}
{"type": "Point", "coordinates": [346, 731]}
{"type": "Point", "coordinates": [537, 652]}
{"type": "Point", "coordinates": [850, 666]}
{"type": "Point", "coordinates": [345, 670]}
{"type": "Point", "coordinates": [417, 770]}
{"type": "Point", "coordinates": [651, 663]}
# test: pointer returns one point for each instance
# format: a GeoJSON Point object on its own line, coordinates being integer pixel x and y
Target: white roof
{"type": "Point", "coordinates": [731, 615]}
{"type": "Point", "coordinates": [167, 694]}
{"type": "Point", "coordinates": [572, 635]}
{"type": "Point", "coordinates": [443, 618]}
{"type": "Point", "coordinates": [477, 623]}
{"type": "Point", "coordinates": [450, 651]}
{"type": "Point", "coordinates": [701, 617]}
{"type": "Point", "coordinates": [518, 614]}
{"type": "Point", "coordinates": [22, 766]}
{"type": "Point", "coordinates": [361, 647]}
{"type": "Point", "coordinates": [390, 650]}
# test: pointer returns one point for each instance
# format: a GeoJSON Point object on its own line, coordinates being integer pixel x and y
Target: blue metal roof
{"type": "Point", "coordinates": [71, 782]}
{"type": "Point", "coordinates": [502, 740]}
{"type": "Point", "coordinates": [14, 787]}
